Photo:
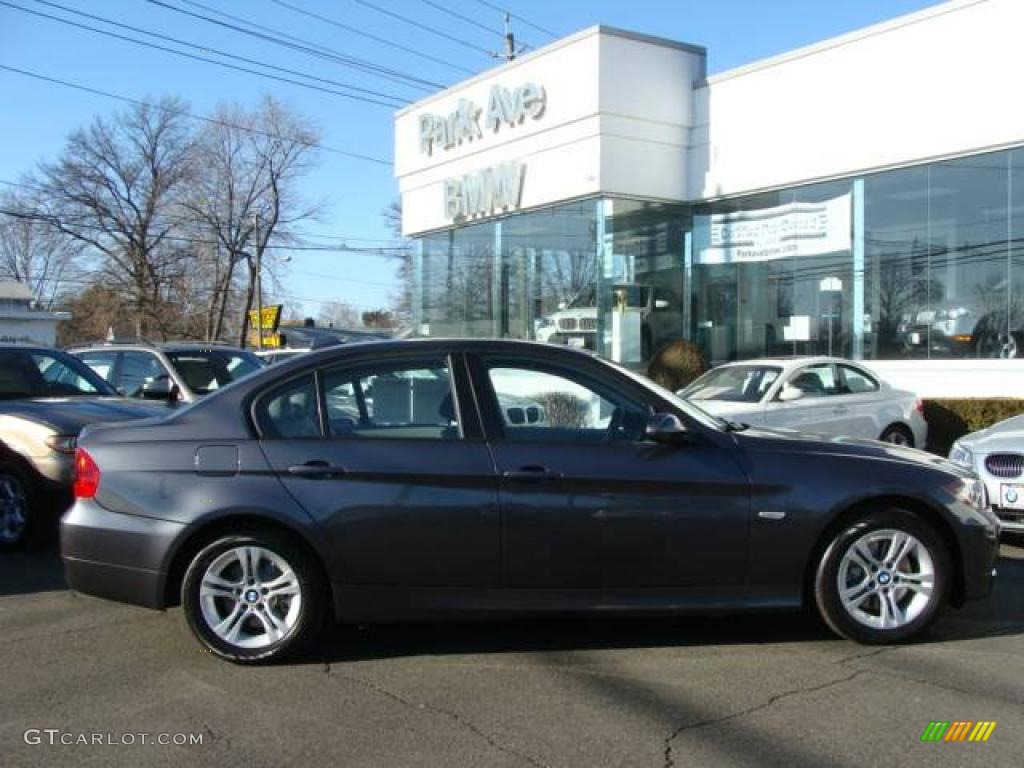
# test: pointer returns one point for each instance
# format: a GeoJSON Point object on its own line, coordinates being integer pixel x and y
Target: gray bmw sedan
{"type": "Point", "coordinates": [441, 478]}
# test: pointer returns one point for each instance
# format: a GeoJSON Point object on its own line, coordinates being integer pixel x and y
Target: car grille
{"type": "Point", "coordinates": [1005, 464]}
{"type": "Point", "coordinates": [1010, 516]}
{"type": "Point", "coordinates": [567, 324]}
{"type": "Point", "coordinates": [588, 324]}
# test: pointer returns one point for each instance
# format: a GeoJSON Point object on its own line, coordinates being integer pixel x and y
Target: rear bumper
{"type": "Point", "coordinates": [115, 556]}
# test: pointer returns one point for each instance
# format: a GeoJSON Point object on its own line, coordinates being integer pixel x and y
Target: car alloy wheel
{"type": "Point", "coordinates": [252, 598]}
{"type": "Point", "coordinates": [13, 510]}
{"type": "Point", "coordinates": [884, 578]}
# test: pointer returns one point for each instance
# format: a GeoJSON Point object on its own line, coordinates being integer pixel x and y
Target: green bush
{"type": "Point", "coordinates": [565, 410]}
{"type": "Point", "coordinates": [676, 365]}
{"type": "Point", "coordinates": [950, 419]}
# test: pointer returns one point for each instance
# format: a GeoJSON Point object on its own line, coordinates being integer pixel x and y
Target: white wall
{"type": "Point", "coordinates": [617, 121]}
{"type": "Point", "coordinates": [953, 378]}
{"type": "Point", "coordinates": [940, 82]}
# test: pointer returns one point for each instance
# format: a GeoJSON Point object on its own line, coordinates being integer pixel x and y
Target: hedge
{"type": "Point", "coordinates": [950, 419]}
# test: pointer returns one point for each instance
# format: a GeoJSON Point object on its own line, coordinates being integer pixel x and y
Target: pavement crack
{"type": "Point", "coordinates": [669, 760]}
{"type": "Point", "coordinates": [455, 717]}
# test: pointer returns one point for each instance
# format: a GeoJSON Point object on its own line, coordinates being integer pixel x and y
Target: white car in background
{"type": "Point", "coordinates": [996, 455]}
{"type": "Point", "coordinates": [825, 395]}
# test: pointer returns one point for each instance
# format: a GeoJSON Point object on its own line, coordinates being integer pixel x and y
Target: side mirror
{"type": "Point", "coordinates": [161, 388]}
{"type": "Point", "coordinates": [789, 394]}
{"type": "Point", "coordinates": [661, 304]}
{"type": "Point", "coordinates": [665, 428]}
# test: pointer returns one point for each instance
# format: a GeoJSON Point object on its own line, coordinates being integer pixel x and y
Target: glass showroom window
{"type": "Point", "coordinates": [773, 274]}
{"type": "Point", "coordinates": [940, 260]}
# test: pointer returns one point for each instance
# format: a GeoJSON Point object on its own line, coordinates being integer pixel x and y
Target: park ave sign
{"type": "Point", "coordinates": [505, 106]}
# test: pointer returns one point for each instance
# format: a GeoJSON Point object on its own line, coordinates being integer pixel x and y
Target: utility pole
{"type": "Point", "coordinates": [259, 284]}
{"type": "Point", "coordinates": [510, 41]}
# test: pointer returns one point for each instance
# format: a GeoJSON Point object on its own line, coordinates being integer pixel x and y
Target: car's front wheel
{"type": "Point", "coordinates": [253, 597]}
{"type": "Point", "coordinates": [883, 578]}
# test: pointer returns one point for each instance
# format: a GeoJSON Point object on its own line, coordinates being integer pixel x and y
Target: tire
{"type": "Point", "coordinates": [17, 518]}
{"type": "Point", "coordinates": [897, 434]}
{"type": "Point", "coordinates": [266, 626]}
{"type": "Point", "coordinates": [867, 615]}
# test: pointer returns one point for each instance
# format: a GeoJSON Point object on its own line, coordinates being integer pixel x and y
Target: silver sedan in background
{"type": "Point", "coordinates": [823, 395]}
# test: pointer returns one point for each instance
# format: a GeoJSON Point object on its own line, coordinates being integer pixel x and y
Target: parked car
{"type": "Point", "coordinates": [272, 356]}
{"type": "Point", "coordinates": [178, 371]}
{"type": "Point", "coordinates": [996, 455]}
{"type": "Point", "coordinates": [263, 512]}
{"type": "Point", "coordinates": [827, 395]}
{"type": "Point", "coordinates": [575, 323]}
{"type": "Point", "coordinates": [46, 397]}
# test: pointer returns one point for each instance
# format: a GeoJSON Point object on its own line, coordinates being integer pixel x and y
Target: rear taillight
{"type": "Point", "coordinates": [919, 406]}
{"type": "Point", "coordinates": [87, 475]}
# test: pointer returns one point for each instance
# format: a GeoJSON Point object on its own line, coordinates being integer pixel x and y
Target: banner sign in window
{"type": "Point", "coordinates": [792, 230]}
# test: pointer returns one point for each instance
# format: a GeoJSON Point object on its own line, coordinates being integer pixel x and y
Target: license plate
{"type": "Point", "coordinates": [1011, 496]}
{"type": "Point", "coordinates": [577, 341]}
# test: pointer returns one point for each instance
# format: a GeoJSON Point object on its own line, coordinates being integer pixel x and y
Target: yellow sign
{"type": "Point", "coordinates": [270, 340]}
{"type": "Point", "coordinates": [271, 318]}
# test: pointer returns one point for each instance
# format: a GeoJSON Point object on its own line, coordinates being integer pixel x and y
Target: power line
{"type": "Point", "coordinates": [467, 19]}
{"type": "Point", "coordinates": [210, 120]}
{"type": "Point", "coordinates": [207, 60]}
{"type": "Point", "coordinates": [320, 51]}
{"type": "Point", "coordinates": [364, 33]}
{"type": "Point", "coordinates": [420, 25]}
{"type": "Point", "coordinates": [528, 23]}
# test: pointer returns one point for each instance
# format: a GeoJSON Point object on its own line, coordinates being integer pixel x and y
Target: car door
{"type": "Point", "coordinates": [861, 396]}
{"type": "Point", "coordinates": [817, 410]}
{"type": "Point", "coordinates": [587, 502]}
{"type": "Point", "coordinates": [389, 460]}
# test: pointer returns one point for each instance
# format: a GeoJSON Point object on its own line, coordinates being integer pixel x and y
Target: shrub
{"type": "Point", "coordinates": [565, 410]}
{"type": "Point", "coordinates": [677, 364]}
{"type": "Point", "coordinates": [951, 419]}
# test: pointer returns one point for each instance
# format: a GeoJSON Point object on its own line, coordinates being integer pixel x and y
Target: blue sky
{"type": "Point", "coordinates": [38, 116]}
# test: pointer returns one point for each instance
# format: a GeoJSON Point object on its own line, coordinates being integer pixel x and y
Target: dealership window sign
{"type": "Point", "coordinates": [790, 230]}
{"type": "Point", "coordinates": [505, 107]}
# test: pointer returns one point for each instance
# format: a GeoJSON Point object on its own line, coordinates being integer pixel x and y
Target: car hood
{"type": "Point", "coordinates": [68, 415]}
{"type": "Point", "coordinates": [1005, 436]}
{"type": "Point", "coordinates": [790, 440]}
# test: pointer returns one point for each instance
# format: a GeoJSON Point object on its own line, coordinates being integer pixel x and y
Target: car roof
{"type": "Point", "coordinates": [793, 361]}
{"type": "Point", "coordinates": [168, 346]}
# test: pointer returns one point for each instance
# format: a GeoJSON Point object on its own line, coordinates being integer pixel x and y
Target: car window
{"type": "Point", "coordinates": [205, 370]}
{"type": "Point", "coordinates": [815, 380]}
{"type": "Point", "coordinates": [856, 381]}
{"type": "Point", "coordinates": [138, 368]}
{"type": "Point", "coordinates": [66, 378]}
{"type": "Point", "coordinates": [391, 400]}
{"type": "Point", "coordinates": [101, 361]}
{"type": "Point", "coordinates": [560, 406]}
{"type": "Point", "coordinates": [25, 373]}
{"type": "Point", "coordinates": [290, 411]}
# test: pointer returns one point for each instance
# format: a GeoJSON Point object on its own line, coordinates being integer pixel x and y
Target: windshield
{"type": "Point", "coordinates": [733, 383]}
{"type": "Point", "coordinates": [206, 370]}
{"type": "Point", "coordinates": [37, 373]}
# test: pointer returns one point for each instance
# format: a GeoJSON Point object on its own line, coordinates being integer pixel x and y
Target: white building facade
{"type": "Point", "coordinates": [860, 197]}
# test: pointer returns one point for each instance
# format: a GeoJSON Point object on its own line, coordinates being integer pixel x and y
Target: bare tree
{"type": "Point", "coordinates": [338, 314]}
{"type": "Point", "coordinates": [246, 197]}
{"type": "Point", "coordinates": [32, 252]}
{"type": "Point", "coordinates": [402, 303]}
{"type": "Point", "coordinates": [113, 190]}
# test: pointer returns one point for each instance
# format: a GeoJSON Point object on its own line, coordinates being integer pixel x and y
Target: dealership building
{"type": "Point", "coordinates": [861, 197]}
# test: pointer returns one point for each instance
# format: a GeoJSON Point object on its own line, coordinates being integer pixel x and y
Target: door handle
{"type": "Point", "coordinates": [315, 469]}
{"type": "Point", "coordinates": [532, 473]}
{"type": "Point", "coordinates": [840, 409]}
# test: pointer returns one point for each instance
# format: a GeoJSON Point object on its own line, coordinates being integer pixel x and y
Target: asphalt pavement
{"type": "Point", "coordinates": [733, 691]}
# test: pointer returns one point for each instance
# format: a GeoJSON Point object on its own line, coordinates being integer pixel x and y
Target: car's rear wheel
{"type": "Point", "coordinates": [883, 578]}
{"type": "Point", "coordinates": [897, 434]}
{"type": "Point", "coordinates": [253, 597]}
{"type": "Point", "coordinates": [15, 508]}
